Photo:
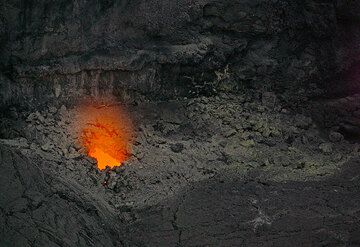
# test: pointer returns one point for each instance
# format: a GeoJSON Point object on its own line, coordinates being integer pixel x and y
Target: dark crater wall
{"type": "Point", "coordinates": [239, 169]}
{"type": "Point", "coordinates": [167, 49]}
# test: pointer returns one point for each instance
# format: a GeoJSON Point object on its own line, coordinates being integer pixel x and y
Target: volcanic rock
{"type": "Point", "coordinates": [25, 193]}
{"type": "Point", "coordinates": [247, 143]}
{"type": "Point", "coordinates": [327, 148]}
{"type": "Point", "coordinates": [177, 147]}
{"type": "Point", "coordinates": [269, 99]}
{"type": "Point", "coordinates": [63, 111]}
{"type": "Point", "coordinates": [47, 146]}
{"type": "Point", "coordinates": [335, 136]}
{"type": "Point", "coordinates": [52, 110]}
{"type": "Point", "coordinates": [303, 122]}
{"type": "Point", "coordinates": [18, 142]}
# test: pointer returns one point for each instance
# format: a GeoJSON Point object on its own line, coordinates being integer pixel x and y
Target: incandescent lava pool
{"type": "Point", "coordinates": [105, 132]}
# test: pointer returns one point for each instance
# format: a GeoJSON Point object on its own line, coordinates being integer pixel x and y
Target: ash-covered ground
{"type": "Point", "coordinates": [228, 170]}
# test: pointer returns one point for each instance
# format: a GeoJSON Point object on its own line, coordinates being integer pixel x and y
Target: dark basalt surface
{"type": "Point", "coordinates": [42, 209]}
{"type": "Point", "coordinates": [250, 212]}
{"type": "Point", "coordinates": [39, 208]}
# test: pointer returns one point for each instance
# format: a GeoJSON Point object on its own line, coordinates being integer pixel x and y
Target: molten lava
{"type": "Point", "coordinates": [106, 134]}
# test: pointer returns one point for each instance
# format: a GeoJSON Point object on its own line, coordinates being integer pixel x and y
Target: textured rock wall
{"type": "Point", "coordinates": [347, 50]}
{"type": "Point", "coordinates": [162, 49]}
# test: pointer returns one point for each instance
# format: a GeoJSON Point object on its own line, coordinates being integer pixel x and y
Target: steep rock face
{"type": "Point", "coordinates": [347, 49]}
{"type": "Point", "coordinates": [166, 49]}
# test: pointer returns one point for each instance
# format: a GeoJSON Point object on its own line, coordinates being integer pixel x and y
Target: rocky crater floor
{"type": "Point", "coordinates": [227, 170]}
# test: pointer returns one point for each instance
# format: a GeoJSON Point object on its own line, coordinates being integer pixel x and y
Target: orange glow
{"type": "Point", "coordinates": [106, 134]}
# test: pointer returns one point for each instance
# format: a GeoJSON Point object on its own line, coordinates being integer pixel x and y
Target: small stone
{"type": "Point", "coordinates": [91, 160]}
{"type": "Point", "coordinates": [33, 146]}
{"type": "Point", "coordinates": [138, 154]}
{"type": "Point", "coordinates": [337, 157]}
{"type": "Point", "coordinates": [57, 90]}
{"type": "Point", "coordinates": [356, 148]}
{"type": "Point", "coordinates": [261, 108]}
{"type": "Point", "coordinates": [335, 136]}
{"type": "Point", "coordinates": [268, 99]}
{"type": "Point", "coordinates": [266, 163]}
{"type": "Point", "coordinates": [119, 169]}
{"type": "Point", "coordinates": [241, 99]}
{"type": "Point", "coordinates": [304, 140]}
{"type": "Point", "coordinates": [65, 151]}
{"type": "Point", "coordinates": [242, 14]}
{"type": "Point", "coordinates": [284, 111]}
{"type": "Point", "coordinates": [204, 100]}
{"type": "Point", "coordinates": [239, 127]}
{"type": "Point", "coordinates": [206, 116]}
{"type": "Point", "coordinates": [40, 117]}
{"type": "Point", "coordinates": [326, 148]}
{"type": "Point", "coordinates": [223, 143]}
{"type": "Point", "coordinates": [26, 152]}
{"type": "Point", "coordinates": [74, 156]}
{"type": "Point", "coordinates": [177, 147]}
{"type": "Point", "coordinates": [72, 150]}
{"type": "Point", "coordinates": [247, 143]}
{"type": "Point", "coordinates": [286, 164]}
{"type": "Point", "coordinates": [77, 146]}
{"type": "Point", "coordinates": [303, 122]}
{"type": "Point", "coordinates": [61, 123]}
{"type": "Point", "coordinates": [254, 164]}
{"type": "Point", "coordinates": [30, 118]}
{"type": "Point", "coordinates": [52, 110]}
{"type": "Point", "coordinates": [159, 140]}
{"type": "Point", "coordinates": [230, 133]}
{"type": "Point", "coordinates": [112, 185]}
{"type": "Point", "coordinates": [46, 146]}
{"type": "Point", "coordinates": [63, 111]}
{"type": "Point", "coordinates": [70, 166]}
